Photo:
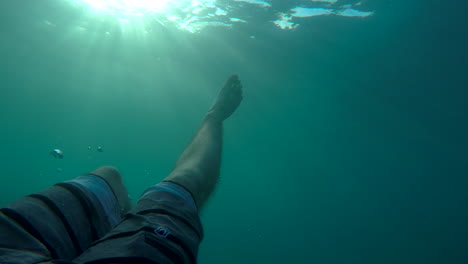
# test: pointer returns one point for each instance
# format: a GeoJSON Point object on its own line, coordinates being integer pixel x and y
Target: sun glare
{"type": "Point", "coordinates": [132, 7]}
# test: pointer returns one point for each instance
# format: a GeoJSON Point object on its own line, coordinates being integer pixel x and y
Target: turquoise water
{"type": "Point", "coordinates": [349, 146]}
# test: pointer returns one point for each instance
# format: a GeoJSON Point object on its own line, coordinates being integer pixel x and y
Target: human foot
{"type": "Point", "coordinates": [112, 176]}
{"type": "Point", "coordinates": [228, 99]}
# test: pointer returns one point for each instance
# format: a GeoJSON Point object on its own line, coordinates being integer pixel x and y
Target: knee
{"type": "Point", "coordinates": [107, 172]}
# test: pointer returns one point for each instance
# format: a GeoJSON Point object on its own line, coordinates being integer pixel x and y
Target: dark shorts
{"type": "Point", "coordinates": [79, 221]}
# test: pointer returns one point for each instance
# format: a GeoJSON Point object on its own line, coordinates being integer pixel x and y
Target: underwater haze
{"type": "Point", "coordinates": [350, 145]}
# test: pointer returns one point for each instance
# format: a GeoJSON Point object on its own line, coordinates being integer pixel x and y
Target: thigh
{"type": "Point", "coordinates": [59, 222]}
{"type": "Point", "coordinates": [164, 227]}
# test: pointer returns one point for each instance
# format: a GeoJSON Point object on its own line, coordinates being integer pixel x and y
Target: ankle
{"type": "Point", "coordinates": [213, 116]}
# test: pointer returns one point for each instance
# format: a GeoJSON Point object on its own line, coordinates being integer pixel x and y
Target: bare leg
{"type": "Point", "coordinates": [112, 176]}
{"type": "Point", "coordinates": [197, 169]}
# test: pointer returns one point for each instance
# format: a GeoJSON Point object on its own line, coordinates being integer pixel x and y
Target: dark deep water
{"type": "Point", "coordinates": [350, 145]}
